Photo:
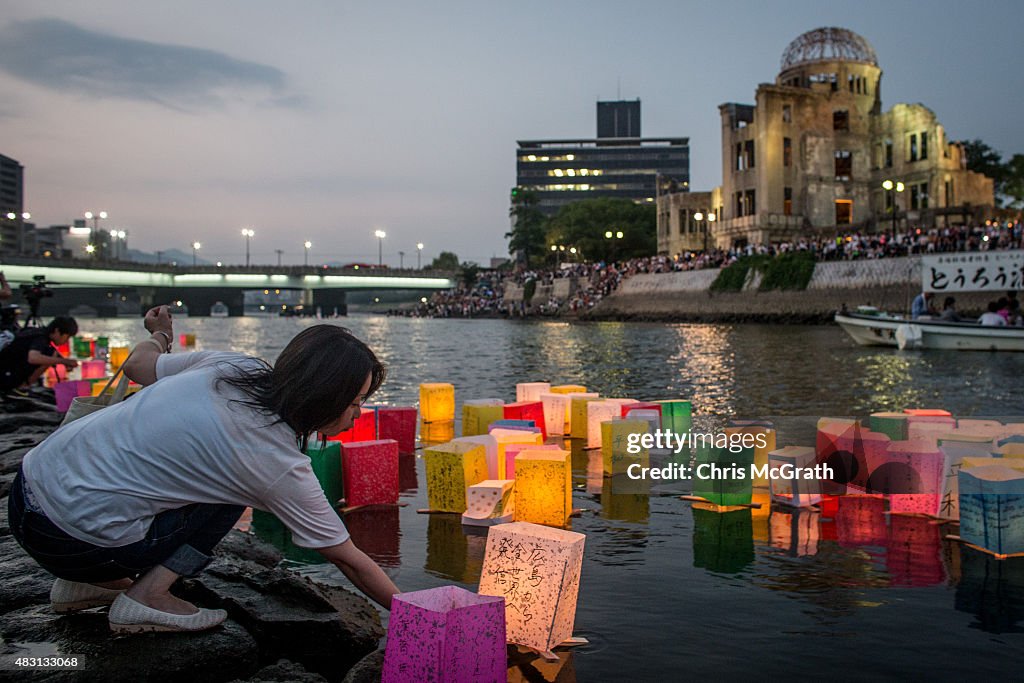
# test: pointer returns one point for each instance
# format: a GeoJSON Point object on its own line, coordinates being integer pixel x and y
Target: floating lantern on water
{"type": "Point", "coordinates": [955, 447]}
{"type": "Point", "coordinates": [794, 490]}
{"type": "Point", "coordinates": [602, 411]}
{"type": "Point", "coordinates": [928, 423]}
{"type": "Point", "coordinates": [893, 425]}
{"type": "Point", "coordinates": [676, 415]}
{"type": "Point", "coordinates": [513, 449]}
{"type": "Point", "coordinates": [93, 369]}
{"type": "Point", "coordinates": [516, 424]}
{"type": "Point", "coordinates": [82, 347]}
{"type": "Point", "coordinates": [840, 445]}
{"type": "Point", "coordinates": [118, 355]}
{"type": "Point", "coordinates": [447, 635]}
{"type": "Point", "coordinates": [452, 468]}
{"type": "Point", "coordinates": [909, 473]}
{"type": "Point", "coordinates": [615, 438]}
{"type": "Point", "coordinates": [504, 437]}
{"type": "Point", "coordinates": [531, 391]}
{"type": "Point", "coordinates": [992, 509]}
{"type": "Point", "coordinates": [490, 502]}
{"type": "Point", "coordinates": [537, 570]}
{"type": "Point", "coordinates": [478, 415]}
{"type": "Point", "coordinates": [543, 487]}
{"type": "Point", "coordinates": [364, 428]}
{"type": "Point", "coordinates": [721, 477]}
{"type": "Point", "coordinates": [370, 470]}
{"type": "Point", "coordinates": [326, 462]}
{"type": "Point", "coordinates": [187, 339]}
{"type": "Point", "coordinates": [437, 402]}
{"type": "Point", "coordinates": [556, 413]}
{"type": "Point", "coordinates": [398, 423]}
{"type": "Point", "coordinates": [528, 410]}
{"type": "Point", "coordinates": [578, 415]}
{"type": "Point", "coordinates": [569, 389]}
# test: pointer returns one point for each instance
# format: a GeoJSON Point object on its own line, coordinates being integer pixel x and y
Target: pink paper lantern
{"type": "Point", "coordinates": [66, 391]}
{"type": "Point", "coordinates": [93, 369]}
{"type": "Point", "coordinates": [398, 423]}
{"type": "Point", "coordinates": [512, 450]}
{"type": "Point", "coordinates": [370, 472]}
{"type": "Point", "coordinates": [447, 635]}
{"type": "Point", "coordinates": [528, 410]}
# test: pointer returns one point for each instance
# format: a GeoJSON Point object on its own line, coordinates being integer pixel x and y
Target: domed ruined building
{"type": "Point", "coordinates": [811, 156]}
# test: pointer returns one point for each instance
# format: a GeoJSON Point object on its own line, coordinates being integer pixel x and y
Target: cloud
{"type": "Point", "coordinates": [62, 56]}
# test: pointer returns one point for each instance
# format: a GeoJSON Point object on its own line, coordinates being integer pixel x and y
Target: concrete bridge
{"type": "Point", "coordinates": [125, 288]}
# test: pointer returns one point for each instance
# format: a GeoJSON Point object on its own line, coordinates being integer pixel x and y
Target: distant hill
{"type": "Point", "coordinates": [168, 256]}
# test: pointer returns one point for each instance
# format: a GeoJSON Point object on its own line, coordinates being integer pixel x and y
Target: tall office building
{"type": "Point", "coordinates": [617, 163]}
{"type": "Point", "coordinates": [12, 188]}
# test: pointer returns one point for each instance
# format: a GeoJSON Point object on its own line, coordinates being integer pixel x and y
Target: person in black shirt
{"type": "Point", "coordinates": [33, 350]}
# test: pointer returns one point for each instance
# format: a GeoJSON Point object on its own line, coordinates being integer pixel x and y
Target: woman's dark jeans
{"type": "Point", "coordinates": [181, 540]}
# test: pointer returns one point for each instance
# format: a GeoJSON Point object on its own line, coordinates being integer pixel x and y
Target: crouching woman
{"type": "Point", "coordinates": [121, 503]}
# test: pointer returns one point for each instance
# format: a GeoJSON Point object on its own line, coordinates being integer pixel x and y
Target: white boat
{"type": "Point", "coordinates": [219, 310]}
{"type": "Point", "coordinates": [871, 327]}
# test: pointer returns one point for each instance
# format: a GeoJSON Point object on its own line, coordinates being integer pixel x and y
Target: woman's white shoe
{"type": "Point", "coordinates": [128, 616]}
{"type": "Point", "coordinates": [71, 596]}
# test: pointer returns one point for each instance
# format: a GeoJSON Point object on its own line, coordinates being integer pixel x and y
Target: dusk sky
{"type": "Point", "coordinates": [328, 120]}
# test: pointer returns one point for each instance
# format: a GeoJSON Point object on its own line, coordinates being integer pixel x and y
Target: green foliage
{"type": "Point", "coordinates": [446, 260]}
{"type": "Point", "coordinates": [468, 272]}
{"type": "Point", "coordinates": [1013, 187]}
{"type": "Point", "coordinates": [526, 239]}
{"type": "Point", "coordinates": [529, 289]}
{"type": "Point", "coordinates": [583, 225]}
{"type": "Point", "coordinates": [1007, 176]}
{"type": "Point", "coordinates": [734, 276]}
{"type": "Point", "coordinates": [792, 270]}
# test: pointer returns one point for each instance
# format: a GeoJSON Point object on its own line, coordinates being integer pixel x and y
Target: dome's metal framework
{"type": "Point", "coordinates": [828, 44]}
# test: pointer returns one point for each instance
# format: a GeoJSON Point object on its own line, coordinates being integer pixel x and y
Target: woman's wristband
{"type": "Point", "coordinates": [165, 336]}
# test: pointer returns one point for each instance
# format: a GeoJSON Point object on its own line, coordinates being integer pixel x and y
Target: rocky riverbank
{"type": "Point", "coordinates": [281, 626]}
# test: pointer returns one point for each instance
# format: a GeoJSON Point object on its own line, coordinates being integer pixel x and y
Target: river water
{"type": "Point", "coordinates": [670, 589]}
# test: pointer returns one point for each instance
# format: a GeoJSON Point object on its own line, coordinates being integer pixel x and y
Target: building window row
{"type": "Point", "coordinates": [919, 196]}
{"type": "Point", "coordinates": [787, 152]}
{"type": "Point", "coordinates": [746, 203]}
{"type": "Point", "coordinates": [744, 155]}
{"type": "Point", "coordinates": [917, 146]}
{"type": "Point", "coordinates": [858, 84]}
{"type": "Point", "coordinates": [534, 157]}
{"type": "Point", "coordinates": [573, 172]}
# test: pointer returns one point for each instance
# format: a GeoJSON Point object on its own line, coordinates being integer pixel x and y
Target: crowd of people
{"type": "Point", "coordinates": [486, 297]}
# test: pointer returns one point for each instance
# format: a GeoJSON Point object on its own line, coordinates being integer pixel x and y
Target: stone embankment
{"type": "Point", "coordinates": [889, 284]}
{"type": "Point", "coordinates": [281, 626]}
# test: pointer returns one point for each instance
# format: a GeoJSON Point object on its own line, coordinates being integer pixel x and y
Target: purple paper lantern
{"type": "Point", "coordinates": [446, 635]}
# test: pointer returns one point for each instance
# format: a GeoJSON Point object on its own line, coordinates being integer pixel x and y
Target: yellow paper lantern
{"type": "Point", "coordinates": [490, 445]}
{"type": "Point", "coordinates": [569, 389]}
{"type": "Point", "coordinates": [490, 502]}
{"type": "Point", "coordinates": [505, 437]}
{"type": "Point", "coordinates": [451, 469]}
{"type": "Point", "coordinates": [531, 391]}
{"type": "Point", "coordinates": [118, 355]}
{"type": "Point", "coordinates": [479, 414]}
{"type": "Point", "coordinates": [615, 437]}
{"type": "Point", "coordinates": [537, 570]}
{"type": "Point", "coordinates": [437, 402]}
{"type": "Point", "coordinates": [544, 487]}
{"type": "Point", "coordinates": [578, 413]}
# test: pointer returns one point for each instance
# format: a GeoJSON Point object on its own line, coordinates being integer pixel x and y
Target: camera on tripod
{"type": "Point", "coordinates": [34, 293]}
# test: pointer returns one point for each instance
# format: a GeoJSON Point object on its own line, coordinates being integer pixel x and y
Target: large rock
{"type": "Point", "coordinates": [22, 581]}
{"type": "Point", "coordinates": [285, 672]}
{"type": "Point", "coordinates": [324, 628]}
{"type": "Point", "coordinates": [368, 670]}
{"type": "Point", "coordinates": [221, 654]}
{"type": "Point", "coordinates": [243, 546]}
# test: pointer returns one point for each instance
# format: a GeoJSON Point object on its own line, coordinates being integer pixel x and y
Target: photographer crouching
{"type": "Point", "coordinates": [32, 351]}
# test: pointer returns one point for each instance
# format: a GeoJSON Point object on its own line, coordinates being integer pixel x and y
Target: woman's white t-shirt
{"type": "Point", "coordinates": [181, 440]}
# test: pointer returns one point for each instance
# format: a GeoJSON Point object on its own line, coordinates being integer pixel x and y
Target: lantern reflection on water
{"type": "Point", "coordinates": [992, 590]}
{"type": "Point", "coordinates": [722, 541]}
{"type": "Point", "coordinates": [437, 432]}
{"type": "Point", "coordinates": [543, 487]}
{"type": "Point", "coordinates": [913, 551]}
{"type": "Point", "coordinates": [445, 634]}
{"type": "Point", "coordinates": [537, 570]}
{"type": "Point", "coordinates": [376, 531]}
{"type": "Point", "coordinates": [795, 531]}
{"type": "Point", "coordinates": [860, 521]}
{"type": "Point", "coordinates": [454, 551]}
{"type": "Point", "coordinates": [370, 470]}
{"type": "Point", "coordinates": [451, 468]}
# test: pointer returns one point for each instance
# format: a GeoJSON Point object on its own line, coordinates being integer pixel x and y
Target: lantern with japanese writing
{"type": "Point", "coordinates": [955, 447]}
{"type": "Point", "coordinates": [621, 447]}
{"type": "Point", "coordinates": [490, 502]}
{"type": "Point", "coordinates": [909, 473]}
{"type": "Point", "coordinates": [479, 414]}
{"type": "Point", "coordinates": [452, 468]}
{"type": "Point", "coordinates": [790, 487]}
{"type": "Point", "coordinates": [437, 402]}
{"type": "Point", "coordinates": [370, 470]}
{"type": "Point", "coordinates": [992, 509]}
{"type": "Point", "coordinates": [531, 391]}
{"type": "Point", "coordinates": [537, 570]}
{"type": "Point", "coordinates": [543, 487]}
{"type": "Point", "coordinates": [326, 462]}
{"type": "Point", "coordinates": [398, 423]}
{"type": "Point", "coordinates": [527, 410]}
{"type": "Point", "coordinates": [445, 634]}
{"type": "Point", "coordinates": [556, 413]}
{"type": "Point", "coordinates": [602, 411]}
{"type": "Point", "coordinates": [578, 416]}
{"type": "Point", "coordinates": [513, 449]}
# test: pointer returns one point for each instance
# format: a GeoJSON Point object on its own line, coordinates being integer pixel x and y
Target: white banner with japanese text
{"type": "Point", "coordinates": [973, 271]}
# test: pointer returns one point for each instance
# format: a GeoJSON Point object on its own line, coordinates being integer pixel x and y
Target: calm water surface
{"type": "Point", "coordinates": [670, 589]}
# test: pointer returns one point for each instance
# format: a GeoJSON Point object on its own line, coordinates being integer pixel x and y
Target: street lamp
{"type": "Point", "coordinates": [616, 235]}
{"type": "Point", "coordinates": [195, 248]}
{"type": "Point", "coordinates": [248, 234]}
{"type": "Point", "coordinates": [706, 227]}
{"type": "Point", "coordinates": [401, 260]}
{"type": "Point", "coordinates": [307, 244]}
{"type": "Point", "coordinates": [892, 187]}
{"type": "Point", "coordinates": [419, 252]}
{"type": "Point", "coordinates": [380, 235]}
{"type": "Point", "coordinates": [120, 236]}
{"type": "Point", "coordinates": [95, 218]}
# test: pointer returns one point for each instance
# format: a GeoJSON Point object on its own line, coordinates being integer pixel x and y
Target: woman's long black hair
{"type": "Point", "coordinates": [315, 379]}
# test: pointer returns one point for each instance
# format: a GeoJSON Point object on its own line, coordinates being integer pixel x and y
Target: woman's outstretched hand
{"type": "Point", "coordinates": [158, 319]}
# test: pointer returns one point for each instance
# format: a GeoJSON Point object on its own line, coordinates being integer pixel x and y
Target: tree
{"type": "Point", "coordinates": [526, 239]}
{"type": "Point", "coordinates": [446, 260]}
{"type": "Point", "coordinates": [1013, 182]}
{"type": "Point", "coordinates": [468, 272]}
{"type": "Point", "coordinates": [586, 223]}
{"type": "Point", "coordinates": [981, 158]}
